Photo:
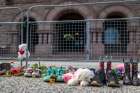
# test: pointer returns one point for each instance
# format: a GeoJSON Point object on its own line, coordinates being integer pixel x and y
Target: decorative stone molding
{"type": "Point", "coordinates": [83, 10]}
{"type": "Point", "coordinates": [122, 9]}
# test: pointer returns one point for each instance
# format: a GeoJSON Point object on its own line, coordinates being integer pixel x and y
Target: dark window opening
{"type": "Point", "coordinates": [9, 2]}
{"type": "Point", "coordinates": [70, 35]}
{"type": "Point", "coordinates": [32, 33]}
{"type": "Point", "coordinates": [115, 34]}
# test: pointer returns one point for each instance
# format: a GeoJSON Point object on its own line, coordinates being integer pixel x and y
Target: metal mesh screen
{"type": "Point", "coordinates": [84, 39]}
{"type": "Point", "coordinates": [10, 30]}
{"type": "Point", "coordinates": [9, 40]}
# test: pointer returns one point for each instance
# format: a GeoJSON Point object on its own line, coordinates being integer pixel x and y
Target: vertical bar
{"type": "Point", "coordinates": [87, 40]}
{"type": "Point", "coordinates": [27, 39]}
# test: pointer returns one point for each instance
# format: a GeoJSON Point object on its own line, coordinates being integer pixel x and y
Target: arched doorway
{"type": "Point", "coordinates": [32, 33]}
{"type": "Point", "coordinates": [115, 34]}
{"type": "Point", "coordinates": [70, 35]}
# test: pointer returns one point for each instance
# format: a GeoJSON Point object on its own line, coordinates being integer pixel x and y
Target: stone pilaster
{"type": "Point", "coordinates": [97, 46]}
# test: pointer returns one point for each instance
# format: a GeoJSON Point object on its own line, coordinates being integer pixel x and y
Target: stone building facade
{"type": "Point", "coordinates": [44, 46]}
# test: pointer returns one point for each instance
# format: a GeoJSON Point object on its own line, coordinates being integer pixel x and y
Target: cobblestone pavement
{"type": "Point", "coordinates": [36, 85]}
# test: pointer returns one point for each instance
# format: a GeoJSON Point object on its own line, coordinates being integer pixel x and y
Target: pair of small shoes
{"type": "Point", "coordinates": [50, 72]}
{"type": "Point", "coordinates": [36, 73]}
{"type": "Point", "coordinates": [59, 74]}
{"type": "Point", "coordinates": [30, 72]}
{"type": "Point", "coordinates": [54, 71]}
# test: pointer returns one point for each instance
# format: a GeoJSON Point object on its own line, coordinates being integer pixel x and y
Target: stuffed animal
{"type": "Point", "coordinates": [69, 73]}
{"type": "Point", "coordinates": [82, 77]}
{"type": "Point", "coordinates": [4, 67]}
{"type": "Point", "coordinates": [120, 70]}
{"type": "Point", "coordinates": [23, 53]}
{"type": "Point", "coordinates": [68, 76]}
{"type": "Point", "coordinates": [16, 71]}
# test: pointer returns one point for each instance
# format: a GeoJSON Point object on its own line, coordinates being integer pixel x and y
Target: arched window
{"type": "Point", "coordinates": [9, 2]}
{"type": "Point", "coordinates": [70, 35]}
{"type": "Point", "coordinates": [115, 34]}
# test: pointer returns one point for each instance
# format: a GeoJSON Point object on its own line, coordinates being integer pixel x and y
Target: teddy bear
{"type": "Point", "coordinates": [81, 76]}
{"type": "Point", "coordinates": [23, 52]}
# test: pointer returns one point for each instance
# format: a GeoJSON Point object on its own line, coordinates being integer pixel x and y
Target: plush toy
{"type": "Point", "coordinates": [4, 67]}
{"type": "Point", "coordinates": [23, 53]}
{"type": "Point", "coordinates": [69, 73]}
{"type": "Point", "coordinates": [120, 70]}
{"type": "Point", "coordinates": [82, 77]}
{"type": "Point", "coordinates": [68, 76]}
{"type": "Point", "coordinates": [16, 71]}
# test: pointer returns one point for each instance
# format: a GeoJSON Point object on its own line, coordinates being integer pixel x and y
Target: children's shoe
{"type": "Point", "coordinates": [28, 72]}
{"type": "Point", "coordinates": [111, 76]}
{"type": "Point", "coordinates": [59, 74]}
{"type": "Point", "coordinates": [127, 77]}
{"type": "Point", "coordinates": [36, 73]}
{"type": "Point", "coordinates": [99, 79]}
{"type": "Point", "coordinates": [135, 80]}
{"type": "Point", "coordinates": [49, 73]}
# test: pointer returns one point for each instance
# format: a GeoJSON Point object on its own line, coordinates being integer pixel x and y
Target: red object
{"type": "Point", "coordinates": [21, 51]}
{"type": "Point", "coordinates": [67, 77]}
{"type": "Point", "coordinates": [16, 70]}
{"type": "Point", "coordinates": [102, 65]}
{"type": "Point", "coordinates": [2, 73]}
{"type": "Point", "coordinates": [109, 65]}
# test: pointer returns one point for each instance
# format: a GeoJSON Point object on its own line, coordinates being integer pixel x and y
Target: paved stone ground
{"type": "Point", "coordinates": [36, 85]}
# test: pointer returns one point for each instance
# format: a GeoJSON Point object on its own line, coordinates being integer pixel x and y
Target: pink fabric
{"type": "Point", "coordinates": [21, 51]}
{"type": "Point", "coordinates": [67, 77]}
{"type": "Point", "coordinates": [120, 67]}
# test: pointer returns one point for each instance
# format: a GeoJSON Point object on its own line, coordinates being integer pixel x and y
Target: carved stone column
{"type": "Point", "coordinates": [44, 45]}
{"type": "Point", "coordinates": [98, 47]}
{"type": "Point", "coordinates": [131, 48]}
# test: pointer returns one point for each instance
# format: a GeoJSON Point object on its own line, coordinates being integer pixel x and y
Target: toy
{"type": "Point", "coordinates": [66, 77]}
{"type": "Point", "coordinates": [16, 71]}
{"type": "Point", "coordinates": [52, 79]}
{"type": "Point", "coordinates": [82, 76]}
{"type": "Point", "coordinates": [69, 73]}
{"type": "Point", "coordinates": [120, 71]}
{"type": "Point", "coordinates": [4, 67]}
{"type": "Point", "coordinates": [23, 53]}
{"type": "Point", "coordinates": [43, 68]}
